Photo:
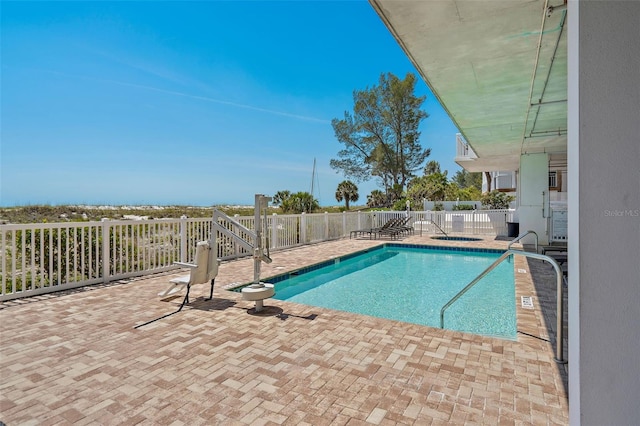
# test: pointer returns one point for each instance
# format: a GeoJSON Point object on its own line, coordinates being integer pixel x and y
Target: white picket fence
{"type": "Point", "coordinates": [453, 205]}
{"type": "Point", "coordinates": [46, 257]}
{"type": "Point", "coordinates": [473, 222]}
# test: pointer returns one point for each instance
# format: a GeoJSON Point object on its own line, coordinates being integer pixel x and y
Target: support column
{"type": "Point", "coordinates": [604, 212]}
{"type": "Point", "coordinates": [533, 202]}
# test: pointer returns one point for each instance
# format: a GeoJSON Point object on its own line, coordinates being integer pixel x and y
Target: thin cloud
{"type": "Point", "coordinates": [138, 64]}
{"type": "Point", "coordinates": [198, 97]}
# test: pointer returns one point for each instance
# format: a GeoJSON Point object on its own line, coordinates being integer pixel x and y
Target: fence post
{"type": "Point", "coordinates": [303, 228]}
{"type": "Point", "coordinates": [274, 230]}
{"type": "Point", "coordinates": [344, 224]}
{"type": "Point", "coordinates": [106, 251]}
{"type": "Point", "coordinates": [326, 225]}
{"type": "Point", "coordinates": [473, 218]}
{"type": "Point", "coordinates": [359, 220]}
{"type": "Point", "coordinates": [236, 248]}
{"type": "Point", "coordinates": [183, 239]}
{"type": "Point", "coordinates": [505, 224]}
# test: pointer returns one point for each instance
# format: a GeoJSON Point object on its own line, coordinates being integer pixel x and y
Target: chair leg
{"type": "Point", "coordinates": [186, 298]}
{"type": "Point", "coordinates": [184, 302]}
{"type": "Point", "coordinates": [211, 292]}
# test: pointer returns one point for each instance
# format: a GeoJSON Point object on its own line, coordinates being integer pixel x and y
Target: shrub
{"type": "Point", "coordinates": [464, 207]}
{"type": "Point", "coordinates": [496, 200]}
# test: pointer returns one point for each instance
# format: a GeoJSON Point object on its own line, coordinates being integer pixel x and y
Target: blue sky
{"type": "Point", "coordinates": [187, 103]}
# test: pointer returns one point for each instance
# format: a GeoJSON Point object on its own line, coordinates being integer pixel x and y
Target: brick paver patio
{"type": "Point", "coordinates": [76, 358]}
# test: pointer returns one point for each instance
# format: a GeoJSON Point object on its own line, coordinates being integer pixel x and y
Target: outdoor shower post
{"type": "Point", "coordinates": [261, 201]}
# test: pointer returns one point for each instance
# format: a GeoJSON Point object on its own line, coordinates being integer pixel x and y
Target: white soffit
{"type": "Point", "coordinates": [479, 57]}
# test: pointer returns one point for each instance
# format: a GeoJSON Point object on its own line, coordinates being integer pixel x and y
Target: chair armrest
{"type": "Point", "coordinates": [186, 265]}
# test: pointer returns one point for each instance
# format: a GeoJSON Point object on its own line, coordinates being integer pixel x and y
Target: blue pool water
{"type": "Point", "coordinates": [411, 284]}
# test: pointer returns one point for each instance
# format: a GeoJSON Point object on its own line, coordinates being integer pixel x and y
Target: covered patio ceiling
{"type": "Point", "coordinates": [499, 68]}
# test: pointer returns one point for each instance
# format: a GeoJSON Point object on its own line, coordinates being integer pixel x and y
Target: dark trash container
{"type": "Point", "coordinates": [513, 229]}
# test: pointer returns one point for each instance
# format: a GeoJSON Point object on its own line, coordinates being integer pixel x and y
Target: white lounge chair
{"type": "Point", "coordinates": [204, 270]}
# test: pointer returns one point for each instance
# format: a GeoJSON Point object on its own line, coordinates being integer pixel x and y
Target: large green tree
{"type": "Point", "coordinates": [432, 167]}
{"type": "Point", "coordinates": [432, 187]}
{"type": "Point", "coordinates": [381, 137]}
{"type": "Point", "coordinates": [465, 179]}
{"type": "Point", "coordinates": [470, 193]}
{"type": "Point", "coordinates": [347, 191]}
{"type": "Point", "coordinates": [377, 198]}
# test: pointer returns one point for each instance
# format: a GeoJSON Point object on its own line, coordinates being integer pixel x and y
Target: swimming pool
{"type": "Point", "coordinates": [411, 283]}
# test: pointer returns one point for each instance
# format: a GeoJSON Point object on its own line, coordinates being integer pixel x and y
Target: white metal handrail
{"type": "Point", "coordinates": [436, 225]}
{"type": "Point", "coordinates": [559, 315]}
{"type": "Point", "coordinates": [521, 236]}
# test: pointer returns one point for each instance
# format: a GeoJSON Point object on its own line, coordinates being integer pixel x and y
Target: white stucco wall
{"type": "Point", "coordinates": [604, 212]}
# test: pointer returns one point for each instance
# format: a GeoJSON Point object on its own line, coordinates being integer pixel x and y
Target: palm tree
{"type": "Point", "coordinates": [376, 198]}
{"type": "Point", "coordinates": [300, 202]}
{"type": "Point", "coordinates": [347, 191]}
{"type": "Point", "coordinates": [280, 197]}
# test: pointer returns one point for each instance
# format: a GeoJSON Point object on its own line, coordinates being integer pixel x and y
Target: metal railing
{"type": "Point", "coordinates": [521, 236]}
{"type": "Point", "coordinates": [434, 224]}
{"type": "Point", "coordinates": [463, 150]}
{"type": "Point", "coordinates": [474, 222]}
{"type": "Point", "coordinates": [40, 258]}
{"type": "Point", "coordinates": [559, 314]}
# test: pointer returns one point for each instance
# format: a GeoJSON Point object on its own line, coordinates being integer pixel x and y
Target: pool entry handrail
{"type": "Point", "coordinates": [434, 224]}
{"type": "Point", "coordinates": [559, 315]}
{"type": "Point", "coordinates": [521, 236]}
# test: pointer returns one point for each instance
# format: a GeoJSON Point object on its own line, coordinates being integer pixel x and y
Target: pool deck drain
{"type": "Point", "coordinates": [75, 358]}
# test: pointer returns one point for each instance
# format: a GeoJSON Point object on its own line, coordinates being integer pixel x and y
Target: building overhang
{"type": "Point", "coordinates": [499, 69]}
